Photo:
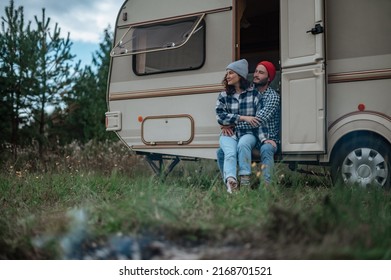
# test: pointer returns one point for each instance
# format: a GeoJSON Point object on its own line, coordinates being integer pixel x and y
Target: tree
{"type": "Point", "coordinates": [101, 60]}
{"type": "Point", "coordinates": [84, 116]}
{"type": "Point", "coordinates": [17, 43]}
{"type": "Point", "coordinates": [36, 71]}
{"type": "Point", "coordinates": [54, 73]}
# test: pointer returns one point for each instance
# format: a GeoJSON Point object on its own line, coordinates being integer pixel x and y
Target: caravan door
{"type": "Point", "coordinates": [302, 77]}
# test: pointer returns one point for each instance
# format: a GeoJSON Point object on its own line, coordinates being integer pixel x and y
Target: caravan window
{"type": "Point", "coordinates": [189, 54]}
{"type": "Point", "coordinates": [165, 46]}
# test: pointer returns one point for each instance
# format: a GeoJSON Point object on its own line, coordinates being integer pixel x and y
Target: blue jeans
{"type": "Point", "coordinates": [235, 152]}
{"type": "Point", "coordinates": [267, 159]}
{"type": "Point", "coordinates": [267, 152]}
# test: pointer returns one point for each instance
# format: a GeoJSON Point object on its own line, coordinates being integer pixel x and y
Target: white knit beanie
{"type": "Point", "coordinates": [240, 67]}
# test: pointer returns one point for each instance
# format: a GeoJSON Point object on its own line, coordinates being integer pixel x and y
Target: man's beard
{"type": "Point", "coordinates": [262, 83]}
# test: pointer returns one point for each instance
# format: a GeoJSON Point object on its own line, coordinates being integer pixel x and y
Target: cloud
{"type": "Point", "coordinates": [84, 20]}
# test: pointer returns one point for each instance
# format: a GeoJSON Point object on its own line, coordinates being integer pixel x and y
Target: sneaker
{"type": "Point", "coordinates": [232, 185]}
{"type": "Point", "coordinates": [245, 180]}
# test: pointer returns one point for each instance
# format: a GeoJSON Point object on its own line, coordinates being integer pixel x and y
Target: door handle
{"type": "Point", "coordinates": [316, 30]}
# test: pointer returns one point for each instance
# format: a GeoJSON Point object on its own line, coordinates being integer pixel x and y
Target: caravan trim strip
{"type": "Point", "coordinates": [195, 146]}
{"type": "Point", "coordinates": [114, 96]}
{"type": "Point", "coordinates": [359, 76]}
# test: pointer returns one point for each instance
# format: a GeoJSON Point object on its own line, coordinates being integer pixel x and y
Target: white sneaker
{"type": "Point", "coordinates": [232, 185]}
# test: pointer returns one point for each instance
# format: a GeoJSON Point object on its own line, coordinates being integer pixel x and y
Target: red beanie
{"type": "Point", "coordinates": [271, 70]}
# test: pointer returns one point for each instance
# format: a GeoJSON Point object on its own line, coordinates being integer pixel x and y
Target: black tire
{"type": "Point", "coordinates": [364, 162]}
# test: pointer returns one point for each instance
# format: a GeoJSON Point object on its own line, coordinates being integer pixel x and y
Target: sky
{"type": "Point", "coordinates": [85, 20]}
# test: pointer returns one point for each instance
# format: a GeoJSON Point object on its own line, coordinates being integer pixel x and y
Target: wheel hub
{"type": "Point", "coordinates": [364, 171]}
{"type": "Point", "coordinates": [365, 166]}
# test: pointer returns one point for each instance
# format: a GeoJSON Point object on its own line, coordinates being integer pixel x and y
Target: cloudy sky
{"type": "Point", "coordinates": [84, 19]}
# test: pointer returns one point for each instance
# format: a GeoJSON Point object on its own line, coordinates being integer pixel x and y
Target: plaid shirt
{"type": "Point", "coordinates": [267, 109]}
{"type": "Point", "coordinates": [230, 106]}
{"type": "Point", "coordinates": [269, 115]}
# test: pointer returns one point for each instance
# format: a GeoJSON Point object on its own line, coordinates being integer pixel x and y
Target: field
{"type": "Point", "coordinates": [100, 201]}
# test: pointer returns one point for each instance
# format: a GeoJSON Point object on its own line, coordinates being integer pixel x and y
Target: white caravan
{"type": "Point", "coordinates": [334, 76]}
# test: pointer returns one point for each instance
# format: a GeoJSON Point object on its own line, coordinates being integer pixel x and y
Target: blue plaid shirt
{"type": "Point", "coordinates": [269, 115]}
{"type": "Point", "coordinates": [265, 106]}
{"type": "Point", "coordinates": [229, 107]}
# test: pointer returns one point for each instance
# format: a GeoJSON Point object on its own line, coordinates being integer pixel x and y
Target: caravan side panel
{"type": "Point", "coordinates": [172, 112]}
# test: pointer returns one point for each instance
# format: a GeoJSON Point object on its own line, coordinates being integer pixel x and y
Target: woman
{"type": "Point", "coordinates": [237, 103]}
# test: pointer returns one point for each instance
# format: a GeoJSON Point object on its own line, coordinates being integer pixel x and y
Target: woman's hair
{"type": "Point", "coordinates": [230, 89]}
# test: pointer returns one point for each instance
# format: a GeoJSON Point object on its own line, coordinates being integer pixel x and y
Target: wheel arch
{"type": "Point", "coordinates": [358, 134]}
{"type": "Point", "coordinates": [358, 125]}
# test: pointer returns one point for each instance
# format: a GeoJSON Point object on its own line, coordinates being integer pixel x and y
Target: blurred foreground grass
{"type": "Point", "coordinates": [298, 217]}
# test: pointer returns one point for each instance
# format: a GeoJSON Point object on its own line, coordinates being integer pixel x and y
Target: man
{"type": "Point", "coordinates": [267, 119]}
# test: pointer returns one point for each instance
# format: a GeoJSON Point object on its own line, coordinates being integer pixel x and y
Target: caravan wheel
{"type": "Point", "coordinates": [363, 162]}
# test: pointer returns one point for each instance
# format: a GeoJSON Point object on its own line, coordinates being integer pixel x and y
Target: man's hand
{"type": "Point", "coordinates": [253, 121]}
{"type": "Point", "coordinates": [227, 130]}
{"type": "Point", "coordinates": [274, 144]}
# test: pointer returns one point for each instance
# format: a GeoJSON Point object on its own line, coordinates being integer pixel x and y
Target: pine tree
{"type": "Point", "coordinates": [17, 42]}
{"type": "Point", "coordinates": [55, 75]}
{"type": "Point", "coordinates": [84, 117]}
{"type": "Point", "coordinates": [36, 71]}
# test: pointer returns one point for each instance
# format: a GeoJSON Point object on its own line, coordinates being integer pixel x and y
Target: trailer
{"type": "Point", "coordinates": [334, 76]}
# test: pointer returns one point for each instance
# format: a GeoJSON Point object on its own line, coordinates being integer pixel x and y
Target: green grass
{"type": "Point", "coordinates": [298, 217]}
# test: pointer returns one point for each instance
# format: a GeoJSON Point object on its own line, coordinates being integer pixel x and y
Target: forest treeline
{"type": "Point", "coordinates": [47, 97]}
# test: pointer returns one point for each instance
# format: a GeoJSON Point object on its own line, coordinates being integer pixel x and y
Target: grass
{"type": "Point", "coordinates": [297, 217]}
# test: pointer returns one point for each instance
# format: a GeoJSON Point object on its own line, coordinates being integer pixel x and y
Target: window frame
{"type": "Point", "coordinates": [113, 53]}
{"type": "Point", "coordinates": [200, 23]}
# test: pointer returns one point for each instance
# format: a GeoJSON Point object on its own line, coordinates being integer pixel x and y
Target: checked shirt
{"type": "Point", "coordinates": [265, 106]}
{"type": "Point", "coordinates": [230, 106]}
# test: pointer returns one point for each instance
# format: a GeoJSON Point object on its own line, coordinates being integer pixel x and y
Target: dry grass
{"type": "Point", "coordinates": [297, 217]}
{"type": "Point", "coordinates": [99, 157]}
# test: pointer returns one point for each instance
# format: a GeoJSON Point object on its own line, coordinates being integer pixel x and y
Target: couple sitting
{"type": "Point", "coordinates": [249, 116]}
